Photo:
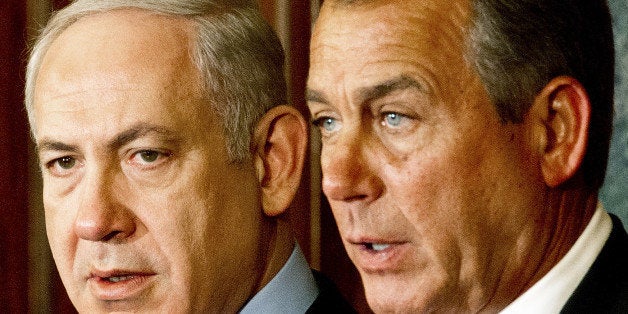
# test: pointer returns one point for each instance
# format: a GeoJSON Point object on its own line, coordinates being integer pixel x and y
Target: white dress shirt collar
{"type": "Point", "coordinates": [550, 294]}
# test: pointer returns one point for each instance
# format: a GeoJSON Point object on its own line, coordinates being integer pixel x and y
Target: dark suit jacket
{"type": "Point", "coordinates": [604, 288]}
{"type": "Point", "coordinates": [329, 299]}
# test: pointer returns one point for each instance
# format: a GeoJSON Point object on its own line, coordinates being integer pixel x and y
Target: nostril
{"type": "Point", "coordinates": [113, 222]}
{"type": "Point", "coordinates": [355, 198]}
{"type": "Point", "coordinates": [112, 235]}
{"type": "Point", "coordinates": [348, 174]}
{"type": "Point", "coordinates": [362, 188]}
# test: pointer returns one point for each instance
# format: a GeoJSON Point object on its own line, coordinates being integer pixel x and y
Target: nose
{"type": "Point", "coordinates": [101, 216]}
{"type": "Point", "coordinates": [350, 172]}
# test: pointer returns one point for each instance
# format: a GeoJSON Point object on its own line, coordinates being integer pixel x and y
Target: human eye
{"type": "Point", "coordinates": [327, 124]}
{"type": "Point", "coordinates": [393, 119]}
{"type": "Point", "coordinates": [147, 159]}
{"type": "Point", "coordinates": [62, 166]}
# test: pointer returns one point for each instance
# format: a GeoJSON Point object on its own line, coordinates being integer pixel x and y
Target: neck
{"type": "Point", "coordinates": [545, 241]}
{"type": "Point", "coordinates": [281, 244]}
{"type": "Point", "coordinates": [569, 214]}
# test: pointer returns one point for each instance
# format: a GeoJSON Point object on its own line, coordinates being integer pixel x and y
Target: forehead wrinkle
{"type": "Point", "coordinates": [75, 76]}
{"type": "Point", "coordinates": [434, 23]}
{"type": "Point", "coordinates": [47, 144]}
{"type": "Point", "coordinates": [140, 130]}
{"type": "Point", "coordinates": [401, 82]}
{"type": "Point", "coordinates": [127, 37]}
{"type": "Point", "coordinates": [77, 90]}
{"type": "Point", "coordinates": [136, 131]}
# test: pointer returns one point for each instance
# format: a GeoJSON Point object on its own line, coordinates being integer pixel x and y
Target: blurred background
{"type": "Point", "coordinates": [31, 283]}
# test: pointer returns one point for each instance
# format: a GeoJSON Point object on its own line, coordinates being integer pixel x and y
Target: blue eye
{"type": "Point", "coordinates": [326, 124]}
{"type": "Point", "coordinates": [393, 118]}
{"type": "Point", "coordinates": [329, 124]}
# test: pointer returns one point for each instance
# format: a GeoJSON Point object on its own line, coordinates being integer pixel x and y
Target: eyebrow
{"type": "Point", "coordinates": [140, 130]}
{"type": "Point", "coordinates": [370, 93]}
{"type": "Point", "coordinates": [134, 132]}
{"type": "Point", "coordinates": [385, 88]}
{"type": "Point", "coordinates": [315, 96]}
{"type": "Point", "coordinates": [49, 145]}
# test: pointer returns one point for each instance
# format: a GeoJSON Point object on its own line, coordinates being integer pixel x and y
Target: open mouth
{"type": "Point", "coordinates": [118, 277]}
{"type": "Point", "coordinates": [120, 285]}
{"type": "Point", "coordinates": [376, 247]}
{"type": "Point", "coordinates": [115, 279]}
{"type": "Point", "coordinates": [379, 256]}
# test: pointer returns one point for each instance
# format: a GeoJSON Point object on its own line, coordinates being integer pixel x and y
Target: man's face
{"type": "Point", "coordinates": [430, 191]}
{"type": "Point", "coordinates": [144, 211]}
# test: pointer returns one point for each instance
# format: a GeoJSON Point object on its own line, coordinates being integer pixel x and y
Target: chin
{"type": "Point", "coordinates": [385, 296]}
{"type": "Point", "coordinates": [406, 293]}
{"type": "Point", "coordinates": [386, 305]}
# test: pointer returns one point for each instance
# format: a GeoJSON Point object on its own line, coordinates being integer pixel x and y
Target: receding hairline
{"type": "Point", "coordinates": [185, 26]}
{"type": "Point", "coordinates": [239, 56]}
{"type": "Point", "coordinates": [181, 29]}
{"type": "Point", "coordinates": [144, 45]}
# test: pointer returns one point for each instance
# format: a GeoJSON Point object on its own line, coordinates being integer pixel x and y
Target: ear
{"type": "Point", "coordinates": [564, 110]}
{"type": "Point", "coordinates": [280, 143]}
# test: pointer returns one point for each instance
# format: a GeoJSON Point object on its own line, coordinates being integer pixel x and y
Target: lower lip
{"type": "Point", "coordinates": [122, 290]}
{"type": "Point", "coordinates": [387, 260]}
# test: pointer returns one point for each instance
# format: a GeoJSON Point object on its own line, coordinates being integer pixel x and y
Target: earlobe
{"type": "Point", "coordinates": [566, 121]}
{"type": "Point", "coordinates": [280, 147]}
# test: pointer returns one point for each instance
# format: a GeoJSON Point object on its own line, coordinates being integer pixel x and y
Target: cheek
{"type": "Point", "coordinates": [344, 220]}
{"type": "Point", "coordinates": [417, 185]}
{"type": "Point", "coordinates": [465, 189]}
{"type": "Point", "coordinates": [59, 218]}
{"type": "Point", "coordinates": [176, 241]}
{"type": "Point", "coordinates": [63, 244]}
{"type": "Point", "coordinates": [178, 219]}
{"type": "Point", "coordinates": [442, 192]}
{"type": "Point", "coordinates": [204, 236]}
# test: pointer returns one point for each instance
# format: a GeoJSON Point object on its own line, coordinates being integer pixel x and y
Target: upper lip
{"type": "Point", "coordinates": [96, 273]}
{"type": "Point", "coordinates": [361, 242]}
{"type": "Point", "coordinates": [118, 284]}
{"type": "Point", "coordinates": [388, 256]}
{"type": "Point", "coordinates": [387, 239]}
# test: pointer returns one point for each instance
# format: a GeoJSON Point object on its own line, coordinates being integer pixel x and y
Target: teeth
{"type": "Point", "coordinates": [379, 247]}
{"type": "Point", "coordinates": [118, 279]}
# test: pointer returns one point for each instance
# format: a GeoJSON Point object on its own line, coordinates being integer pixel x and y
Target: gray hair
{"type": "Point", "coordinates": [238, 54]}
{"type": "Point", "coordinates": [517, 47]}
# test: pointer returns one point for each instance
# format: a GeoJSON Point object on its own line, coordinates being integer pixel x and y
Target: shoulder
{"type": "Point", "coordinates": [604, 288]}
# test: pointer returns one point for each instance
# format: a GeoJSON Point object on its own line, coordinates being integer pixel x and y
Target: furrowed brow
{"type": "Point", "coordinates": [140, 130]}
{"type": "Point", "coordinates": [380, 90]}
{"type": "Point", "coordinates": [315, 96]}
{"type": "Point", "coordinates": [50, 145]}
{"type": "Point", "coordinates": [136, 131]}
{"type": "Point", "coordinates": [370, 93]}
